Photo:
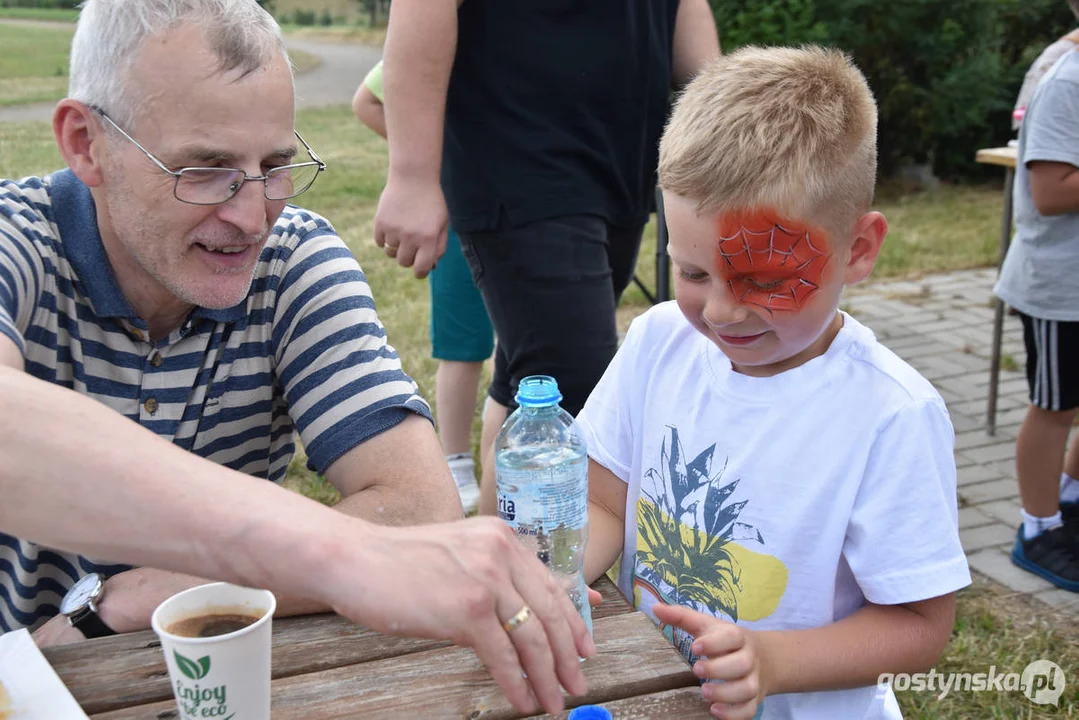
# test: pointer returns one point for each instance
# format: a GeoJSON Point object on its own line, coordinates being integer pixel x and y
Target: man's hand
{"type": "Point", "coordinates": [729, 654]}
{"type": "Point", "coordinates": [462, 581]}
{"type": "Point", "coordinates": [412, 223]}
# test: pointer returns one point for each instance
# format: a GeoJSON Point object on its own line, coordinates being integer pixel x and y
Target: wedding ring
{"type": "Point", "coordinates": [519, 617]}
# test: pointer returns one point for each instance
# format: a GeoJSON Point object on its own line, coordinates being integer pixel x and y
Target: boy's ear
{"type": "Point", "coordinates": [868, 237]}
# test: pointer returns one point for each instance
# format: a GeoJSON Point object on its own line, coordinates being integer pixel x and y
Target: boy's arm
{"type": "Point", "coordinates": [606, 520]}
{"type": "Point", "coordinates": [1054, 187]}
{"type": "Point", "coordinates": [855, 651]}
{"type": "Point", "coordinates": [369, 110]}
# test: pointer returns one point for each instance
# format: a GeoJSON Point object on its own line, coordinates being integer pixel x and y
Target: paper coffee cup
{"type": "Point", "coordinates": [224, 676]}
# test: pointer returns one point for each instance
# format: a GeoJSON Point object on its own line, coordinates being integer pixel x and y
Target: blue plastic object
{"type": "Point", "coordinates": [538, 391]}
{"type": "Point", "coordinates": [590, 712]}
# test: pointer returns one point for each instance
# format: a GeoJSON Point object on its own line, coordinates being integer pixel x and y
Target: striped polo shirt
{"type": "Point", "coordinates": [304, 352]}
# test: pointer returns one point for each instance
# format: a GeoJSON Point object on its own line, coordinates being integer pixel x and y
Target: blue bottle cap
{"type": "Point", "coordinates": [538, 391]}
{"type": "Point", "coordinates": [590, 712]}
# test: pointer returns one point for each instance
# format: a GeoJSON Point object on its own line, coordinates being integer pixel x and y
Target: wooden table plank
{"type": "Point", "coordinates": [1004, 156]}
{"type": "Point", "coordinates": [633, 658]}
{"type": "Point", "coordinates": [125, 670]}
{"type": "Point", "coordinates": [131, 670]}
{"type": "Point", "coordinates": [683, 703]}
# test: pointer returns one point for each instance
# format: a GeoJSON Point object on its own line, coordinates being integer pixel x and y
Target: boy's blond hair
{"type": "Point", "coordinates": [790, 128]}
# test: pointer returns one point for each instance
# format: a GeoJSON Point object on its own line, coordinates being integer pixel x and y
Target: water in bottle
{"type": "Point", "coordinates": [541, 475]}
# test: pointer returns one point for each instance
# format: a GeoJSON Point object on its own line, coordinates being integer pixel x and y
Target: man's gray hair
{"type": "Point", "coordinates": [110, 33]}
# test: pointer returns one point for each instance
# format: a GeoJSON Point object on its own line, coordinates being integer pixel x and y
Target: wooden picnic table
{"type": "Point", "coordinates": [1006, 158]}
{"type": "Point", "coordinates": [327, 667]}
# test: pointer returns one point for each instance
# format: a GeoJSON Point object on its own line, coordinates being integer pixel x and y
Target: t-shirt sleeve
{"type": "Point", "coordinates": [1052, 134]}
{"type": "Point", "coordinates": [342, 379]}
{"type": "Point", "coordinates": [373, 81]}
{"type": "Point", "coordinates": [608, 417]}
{"type": "Point", "coordinates": [902, 540]}
{"type": "Point", "coordinates": [21, 265]}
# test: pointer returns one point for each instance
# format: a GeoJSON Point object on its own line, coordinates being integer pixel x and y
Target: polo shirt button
{"type": "Point", "coordinates": [150, 405]}
{"type": "Point", "coordinates": [156, 359]}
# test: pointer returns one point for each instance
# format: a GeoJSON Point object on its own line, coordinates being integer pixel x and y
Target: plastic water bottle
{"type": "Point", "coordinates": [541, 474]}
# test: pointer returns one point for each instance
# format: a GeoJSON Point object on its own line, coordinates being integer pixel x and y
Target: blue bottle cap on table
{"type": "Point", "coordinates": [590, 712]}
{"type": "Point", "coordinates": [538, 391]}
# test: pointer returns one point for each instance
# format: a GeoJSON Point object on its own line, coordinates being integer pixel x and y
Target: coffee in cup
{"type": "Point", "coordinates": [212, 623]}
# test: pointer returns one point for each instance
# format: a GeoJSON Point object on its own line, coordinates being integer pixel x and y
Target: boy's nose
{"type": "Point", "coordinates": [722, 308]}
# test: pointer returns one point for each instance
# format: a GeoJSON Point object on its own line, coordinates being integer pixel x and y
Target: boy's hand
{"type": "Point", "coordinates": [728, 653]}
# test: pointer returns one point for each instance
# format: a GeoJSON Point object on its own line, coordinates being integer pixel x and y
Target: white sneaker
{"type": "Point", "coordinates": [464, 474]}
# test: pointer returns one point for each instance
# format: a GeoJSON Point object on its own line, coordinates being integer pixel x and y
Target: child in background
{"type": "Point", "coordinates": [1040, 279]}
{"type": "Point", "coordinates": [1041, 65]}
{"type": "Point", "coordinates": [461, 334]}
{"type": "Point", "coordinates": [780, 486]}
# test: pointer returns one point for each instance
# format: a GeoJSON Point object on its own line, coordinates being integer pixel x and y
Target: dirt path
{"type": "Point", "coordinates": [331, 83]}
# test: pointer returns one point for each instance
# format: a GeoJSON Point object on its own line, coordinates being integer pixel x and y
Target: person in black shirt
{"type": "Point", "coordinates": [540, 119]}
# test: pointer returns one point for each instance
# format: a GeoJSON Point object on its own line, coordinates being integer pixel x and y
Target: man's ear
{"type": "Point", "coordinates": [868, 237]}
{"type": "Point", "coordinates": [80, 139]}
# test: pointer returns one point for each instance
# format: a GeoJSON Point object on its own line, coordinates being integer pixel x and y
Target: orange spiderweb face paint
{"type": "Point", "coordinates": [770, 261]}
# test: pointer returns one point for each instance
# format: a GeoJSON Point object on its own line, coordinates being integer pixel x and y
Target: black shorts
{"type": "Point", "coordinates": [1052, 362]}
{"type": "Point", "coordinates": [551, 288]}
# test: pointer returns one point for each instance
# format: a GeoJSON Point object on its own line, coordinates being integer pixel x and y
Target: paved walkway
{"type": "Point", "coordinates": [942, 325]}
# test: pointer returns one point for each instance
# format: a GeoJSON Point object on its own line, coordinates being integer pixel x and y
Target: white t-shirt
{"type": "Point", "coordinates": [783, 502]}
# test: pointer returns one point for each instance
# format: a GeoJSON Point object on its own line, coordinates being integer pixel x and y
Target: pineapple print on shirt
{"type": "Point", "coordinates": [693, 550]}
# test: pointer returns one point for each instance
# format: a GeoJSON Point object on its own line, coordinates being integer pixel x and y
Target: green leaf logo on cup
{"type": "Point", "coordinates": [194, 670]}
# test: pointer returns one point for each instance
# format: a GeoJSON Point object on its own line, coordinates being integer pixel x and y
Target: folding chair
{"type": "Point", "coordinates": [663, 261]}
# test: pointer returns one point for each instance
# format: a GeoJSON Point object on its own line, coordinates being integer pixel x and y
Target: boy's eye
{"type": "Point", "coordinates": [692, 277]}
{"type": "Point", "coordinates": [764, 284]}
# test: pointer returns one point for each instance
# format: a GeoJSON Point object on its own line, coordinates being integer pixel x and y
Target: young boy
{"type": "Point", "coordinates": [780, 485]}
{"type": "Point", "coordinates": [1039, 280]}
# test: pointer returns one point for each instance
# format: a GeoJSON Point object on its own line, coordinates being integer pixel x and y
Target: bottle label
{"type": "Point", "coordinates": [539, 501]}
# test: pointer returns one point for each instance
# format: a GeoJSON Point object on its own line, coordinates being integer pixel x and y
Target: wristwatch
{"type": "Point", "coordinates": [80, 606]}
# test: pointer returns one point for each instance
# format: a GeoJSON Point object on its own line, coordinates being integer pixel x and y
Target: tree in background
{"type": "Point", "coordinates": [945, 72]}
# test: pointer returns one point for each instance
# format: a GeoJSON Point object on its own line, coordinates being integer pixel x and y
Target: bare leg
{"type": "Point", "coordinates": [456, 385]}
{"type": "Point", "coordinates": [1039, 458]}
{"type": "Point", "coordinates": [494, 414]}
{"type": "Point", "coordinates": [1071, 460]}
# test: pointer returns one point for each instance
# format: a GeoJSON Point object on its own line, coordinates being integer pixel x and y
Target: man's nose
{"type": "Point", "coordinates": [246, 210]}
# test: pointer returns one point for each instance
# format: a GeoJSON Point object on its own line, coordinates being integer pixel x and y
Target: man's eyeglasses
{"type": "Point", "coordinates": [215, 185]}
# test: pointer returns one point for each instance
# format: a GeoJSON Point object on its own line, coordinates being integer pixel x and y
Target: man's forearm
{"type": "Point", "coordinates": [856, 650]}
{"type": "Point", "coordinates": [77, 476]}
{"type": "Point", "coordinates": [420, 44]}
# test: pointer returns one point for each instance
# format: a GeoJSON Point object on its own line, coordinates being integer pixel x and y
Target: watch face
{"type": "Point", "coordinates": [81, 593]}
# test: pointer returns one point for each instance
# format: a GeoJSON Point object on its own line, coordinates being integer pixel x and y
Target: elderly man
{"type": "Point", "coordinates": [163, 277]}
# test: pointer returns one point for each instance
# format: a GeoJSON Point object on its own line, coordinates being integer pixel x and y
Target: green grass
{"type": "Point", "coordinates": [950, 228]}
{"type": "Point", "coordinates": [356, 34]}
{"type": "Point", "coordinates": [33, 64]}
{"type": "Point", "coordinates": [997, 628]}
{"type": "Point", "coordinates": [51, 14]}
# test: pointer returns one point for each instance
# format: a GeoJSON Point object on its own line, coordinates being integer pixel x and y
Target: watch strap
{"type": "Point", "coordinates": [91, 625]}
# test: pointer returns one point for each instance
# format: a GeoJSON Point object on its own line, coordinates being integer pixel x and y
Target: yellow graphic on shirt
{"type": "Point", "coordinates": [691, 547]}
